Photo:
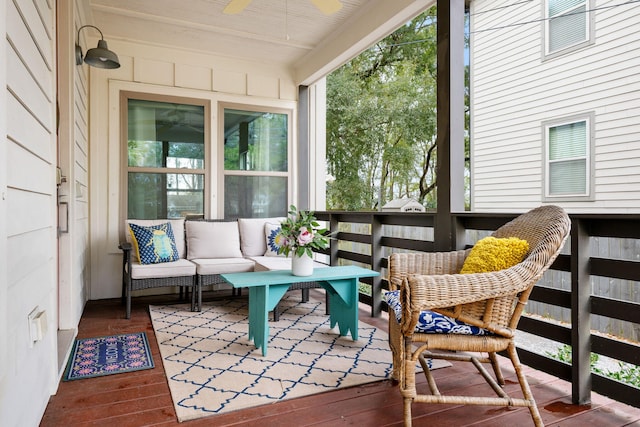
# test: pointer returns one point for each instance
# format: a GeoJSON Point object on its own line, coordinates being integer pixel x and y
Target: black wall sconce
{"type": "Point", "coordinates": [99, 57]}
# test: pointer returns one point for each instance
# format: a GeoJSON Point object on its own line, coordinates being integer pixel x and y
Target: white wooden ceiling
{"type": "Point", "coordinates": [288, 33]}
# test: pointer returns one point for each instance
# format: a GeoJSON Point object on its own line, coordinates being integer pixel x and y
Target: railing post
{"type": "Point", "coordinates": [376, 264]}
{"type": "Point", "coordinates": [333, 243]}
{"type": "Point", "coordinates": [580, 314]}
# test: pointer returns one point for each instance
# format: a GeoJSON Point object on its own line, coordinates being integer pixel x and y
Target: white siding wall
{"type": "Point", "coordinates": [4, 304]}
{"type": "Point", "coordinates": [73, 245]}
{"type": "Point", "coordinates": [514, 90]}
{"type": "Point", "coordinates": [151, 69]}
{"type": "Point", "coordinates": [28, 370]}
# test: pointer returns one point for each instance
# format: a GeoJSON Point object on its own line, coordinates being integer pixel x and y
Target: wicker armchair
{"type": "Point", "coordinates": [492, 302]}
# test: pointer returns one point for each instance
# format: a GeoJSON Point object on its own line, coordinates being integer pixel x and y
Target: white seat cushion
{"type": "Point", "coordinates": [181, 267]}
{"type": "Point", "coordinates": [209, 266]}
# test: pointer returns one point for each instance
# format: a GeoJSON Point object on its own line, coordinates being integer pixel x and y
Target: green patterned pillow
{"type": "Point", "coordinates": [154, 244]}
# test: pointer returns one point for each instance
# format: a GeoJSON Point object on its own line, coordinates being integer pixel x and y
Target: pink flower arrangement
{"type": "Point", "coordinates": [300, 233]}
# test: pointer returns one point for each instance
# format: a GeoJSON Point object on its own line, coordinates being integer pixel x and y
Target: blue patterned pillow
{"type": "Point", "coordinates": [274, 240]}
{"type": "Point", "coordinates": [154, 244]}
{"type": "Point", "coordinates": [431, 322]}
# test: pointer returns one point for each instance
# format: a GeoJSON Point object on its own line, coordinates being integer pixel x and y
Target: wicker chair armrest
{"type": "Point", "coordinates": [442, 292]}
{"type": "Point", "coordinates": [125, 246]}
{"type": "Point", "coordinates": [401, 265]}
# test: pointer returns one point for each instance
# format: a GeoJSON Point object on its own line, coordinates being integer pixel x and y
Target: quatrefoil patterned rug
{"type": "Point", "coordinates": [212, 367]}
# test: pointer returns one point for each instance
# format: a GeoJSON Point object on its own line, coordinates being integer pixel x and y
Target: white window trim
{"type": "Point", "coordinates": [589, 118]}
{"type": "Point", "coordinates": [590, 22]}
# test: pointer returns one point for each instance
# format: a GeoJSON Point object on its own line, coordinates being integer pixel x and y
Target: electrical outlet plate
{"type": "Point", "coordinates": [37, 325]}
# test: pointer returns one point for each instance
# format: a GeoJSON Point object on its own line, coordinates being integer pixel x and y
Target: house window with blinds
{"type": "Point", "coordinates": [568, 154]}
{"type": "Point", "coordinates": [568, 25]}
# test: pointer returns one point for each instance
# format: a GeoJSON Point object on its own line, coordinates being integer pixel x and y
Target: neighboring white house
{"type": "Point", "coordinates": [555, 105]}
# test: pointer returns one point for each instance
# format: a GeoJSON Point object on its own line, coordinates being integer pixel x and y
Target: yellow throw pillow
{"type": "Point", "coordinates": [493, 254]}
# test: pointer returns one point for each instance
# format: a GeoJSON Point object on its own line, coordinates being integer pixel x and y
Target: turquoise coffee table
{"type": "Point", "coordinates": [266, 289]}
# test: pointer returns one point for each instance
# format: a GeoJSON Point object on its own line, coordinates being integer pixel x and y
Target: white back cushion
{"type": "Point", "coordinates": [252, 239]}
{"type": "Point", "coordinates": [213, 239]}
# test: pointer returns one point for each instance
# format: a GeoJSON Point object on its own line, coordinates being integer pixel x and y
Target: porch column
{"type": "Point", "coordinates": [450, 120]}
{"type": "Point", "coordinates": [311, 158]}
{"type": "Point", "coordinates": [303, 181]}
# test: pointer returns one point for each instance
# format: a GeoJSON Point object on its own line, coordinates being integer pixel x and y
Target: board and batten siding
{"type": "Point", "coordinates": [28, 370]}
{"type": "Point", "coordinates": [514, 90]}
{"type": "Point", "coordinates": [161, 71]}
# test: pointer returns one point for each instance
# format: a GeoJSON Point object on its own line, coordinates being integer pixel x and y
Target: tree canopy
{"type": "Point", "coordinates": [381, 121]}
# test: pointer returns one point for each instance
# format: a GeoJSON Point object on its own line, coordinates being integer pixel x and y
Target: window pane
{"type": "Point", "coordinates": [255, 141]}
{"type": "Point", "coordinates": [158, 196]}
{"type": "Point", "coordinates": [567, 30]}
{"type": "Point", "coordinates": [559, 6]}
{"type": "Point", "coordinates": [255, 196]}
{"type": "Point", "coordinates": [151, 154]}
{"type": "Point", "coordinates": [568, 177]}
{"type": "Point", "coordinates": [568, 141]}
{"type": "Point", "coordinates": [163, 134]}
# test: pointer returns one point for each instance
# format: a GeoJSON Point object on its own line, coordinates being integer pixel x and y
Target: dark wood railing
{"type": "Point", "coordinates": [575, 261]}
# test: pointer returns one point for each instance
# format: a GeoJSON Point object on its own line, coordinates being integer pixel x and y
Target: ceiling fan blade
{"type": "Point", "coordinates": [328, 7]}
{"type": "Point", "coordinates": [236, 6]}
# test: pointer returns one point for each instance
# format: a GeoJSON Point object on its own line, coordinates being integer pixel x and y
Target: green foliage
{"type": "Point", "coordinates": [628, 374]}
{"type": "Point", "coordinates": [381, 121]}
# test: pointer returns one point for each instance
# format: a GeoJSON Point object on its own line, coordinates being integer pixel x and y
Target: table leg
{"type": "Point", "coordinates": [343, 305]}
{"type": "Point", "coordinates": [262, 299]}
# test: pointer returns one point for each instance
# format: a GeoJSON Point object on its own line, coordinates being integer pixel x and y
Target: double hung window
{"type": "Point", "coordinates": [165, 158]}
{"type": "Point", "coordinates": [568, 154]}
{"type": "Point", "coordinates": [256, 162]}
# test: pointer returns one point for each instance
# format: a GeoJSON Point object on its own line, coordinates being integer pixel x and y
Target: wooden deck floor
{"type": "Point", "coordinates": [142, 398]}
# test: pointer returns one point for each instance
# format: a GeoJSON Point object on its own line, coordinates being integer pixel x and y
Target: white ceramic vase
{"type": "Point", "coordinates": [302, 265]}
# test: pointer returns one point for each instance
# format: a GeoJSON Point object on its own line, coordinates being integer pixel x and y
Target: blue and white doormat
{"type": "Point", "coordinates": [94, 357]}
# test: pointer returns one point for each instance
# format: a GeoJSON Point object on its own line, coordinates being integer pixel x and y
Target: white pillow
{"type": "Point", "coordinates": [271, 230]}
{"type": "Point", "coordinates": [207, 239]}
{"type": "Point", "coordinates": [252, 241]}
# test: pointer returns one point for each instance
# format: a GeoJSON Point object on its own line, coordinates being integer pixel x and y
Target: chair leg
{"type": "Point", "coordinates": [524, 385]}
{"type": "Point", "coordinates": [128, 310]}
{"type": "Point", "coordinates": [496, 368]}
{"type": "Point", "coordinates": [326, 302]}
{"type": "Point", "coordinates": [408, 380]}
{"type": "Point", "coordinates": [407, 411]}
{"type": "Point", "coordinates": [427, 373]}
